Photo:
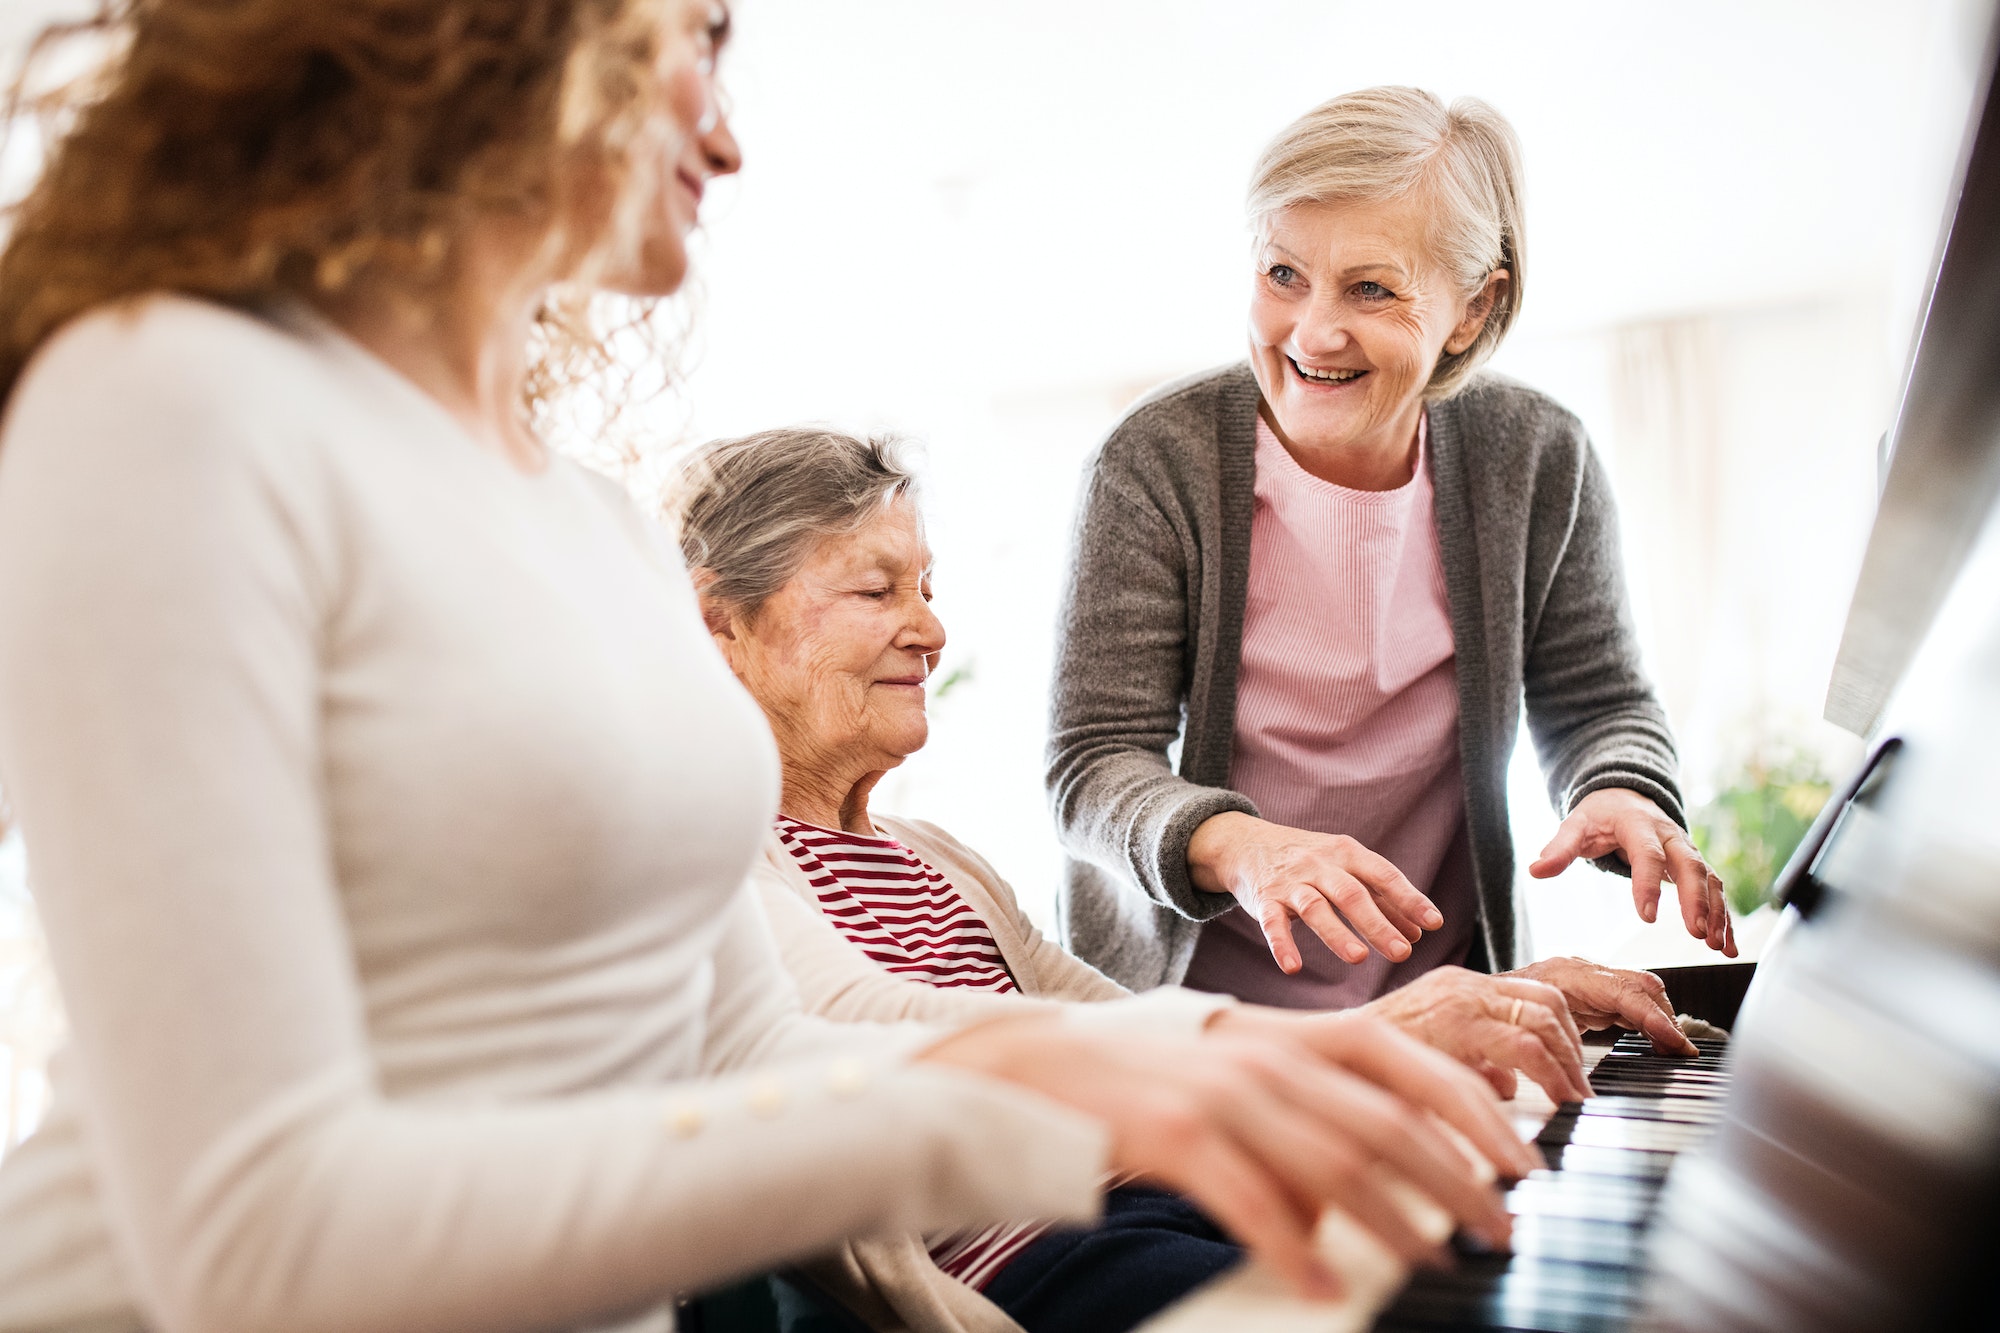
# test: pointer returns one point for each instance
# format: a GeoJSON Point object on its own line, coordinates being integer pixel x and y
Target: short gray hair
{"type": "Point", "coordinates": [1382, 143]}
{"type": "Point", "coordinates": [752, 510]}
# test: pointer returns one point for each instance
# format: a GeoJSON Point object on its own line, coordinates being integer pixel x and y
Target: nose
{"type": "Point", "coordinates": [922, 632]}
{"type": "Point", "coordinates": [720, 152]}
{"type": "Point", "coordinates": [1322, 328]}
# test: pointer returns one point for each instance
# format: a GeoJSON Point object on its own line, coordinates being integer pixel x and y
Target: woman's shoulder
{"type": "Point", "coordinates": [920, 835]}
{"type": "Point", "coordinates": [1181, 419]}
{"type": "Point", "coordinates": [169, 365]}
{"type": "Point", "coordinates": [1506, 417]}
{"type": "Point", "coordinates": [162, 342]}
{"type": "Point", "coordinates": [945, 852]}
{"type": "Point", "coordinates": [1517, 455]}
{"type": "Point", "coordinates": [1192, 397]}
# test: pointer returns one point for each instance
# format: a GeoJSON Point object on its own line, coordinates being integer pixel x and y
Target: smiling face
{"type": "Point", "coordinates": [1349, 314]}
{"type": "Point", "coordinates": [700, 148]}
{"type": "Point", "coordinates": [837, 658]}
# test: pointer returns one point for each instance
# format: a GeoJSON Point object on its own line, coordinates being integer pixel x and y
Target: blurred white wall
{"type": "Point", "coordinates": [990, 226]}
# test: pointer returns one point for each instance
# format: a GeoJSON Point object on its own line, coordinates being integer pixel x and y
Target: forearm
{"type": "Point", "coordinates": [1627, 746]}
{"type": "Point", "coordinates": [1117, 697]}
{"type": "Point", "coordinates": [568, 1211]}
{"type": "Point", "coordinates": [1595, 718]}
{"type": "Point", "coordinates": [1123, 809]}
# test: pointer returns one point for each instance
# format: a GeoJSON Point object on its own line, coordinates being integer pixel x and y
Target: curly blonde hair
{"type": "Point", "coordinates": [247, 150]}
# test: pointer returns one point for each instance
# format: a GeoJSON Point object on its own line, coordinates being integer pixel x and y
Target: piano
{"type": "Point", "coordinates": [1834, 1167]}
{"type": "Point", "coordinates": [1580, 1227]}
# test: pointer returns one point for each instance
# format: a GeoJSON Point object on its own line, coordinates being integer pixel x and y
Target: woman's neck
{"type": "Point", "coordinates": [1379, 460]}
{"type": "Point", "coordinates": [829, 800]}
{"type": "Point", "coordinates": [464, 343]}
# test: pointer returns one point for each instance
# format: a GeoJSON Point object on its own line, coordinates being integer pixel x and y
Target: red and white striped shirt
{"type": "Point", "coordinates": [899, 910]}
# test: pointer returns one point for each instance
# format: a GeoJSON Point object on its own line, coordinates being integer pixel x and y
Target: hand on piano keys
{"type": "Point", "coordinates": [1576, 1260]}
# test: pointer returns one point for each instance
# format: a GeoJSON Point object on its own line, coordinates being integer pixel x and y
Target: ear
{"type": "Point", "coordinates": [1477, 311]}
{"type": "Point", "coordinates": [732, 636]}
{"type": "Point", "coordinates": [720, 619]}
{"type": "Point", "coordinates": [713, 613]}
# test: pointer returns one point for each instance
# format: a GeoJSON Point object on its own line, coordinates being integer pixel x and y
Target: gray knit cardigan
{"type": "Point", "coordinates": [1143, 707]}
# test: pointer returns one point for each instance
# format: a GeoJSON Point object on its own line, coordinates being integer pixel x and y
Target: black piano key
{"type": "Point", "coordinates": [1636, 1044]}
{"type": "Point", "coordinates": [1694, 1092]}
{"type": "Point", "coordinates": [1712, 1078]}
{"type": "Point", "coordinates": [1713, 1081]}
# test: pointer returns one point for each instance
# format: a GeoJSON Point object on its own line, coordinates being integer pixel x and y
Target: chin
{"type": "Point", "coordinates": [661, 268]}
{"type": "Point", "coordinates": [1312, 423]}
{"type": "Point", "coordinates": [904, 741]}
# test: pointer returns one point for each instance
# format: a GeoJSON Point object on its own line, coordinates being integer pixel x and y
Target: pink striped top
{"type": "Point", "coordinates": [1346, 716]}
{"type": "Point", "coordinates": [895, 907]}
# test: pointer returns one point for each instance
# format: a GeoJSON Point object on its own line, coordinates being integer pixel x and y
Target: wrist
{"type": "Point", "coordinates": [1617, 798]}
{"type": "Point", "coordinates": [1209, 847]}
{"type": "Point", "coordinates": [1267, 1023]}
{"type": "Point", "coordinates": [1000, 1048]}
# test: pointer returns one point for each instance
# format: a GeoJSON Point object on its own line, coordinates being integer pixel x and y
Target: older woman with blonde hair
{"type": "Point", "coordinates": [814, 570]}
{"type": "Point", "coordinates": [1310, 594]}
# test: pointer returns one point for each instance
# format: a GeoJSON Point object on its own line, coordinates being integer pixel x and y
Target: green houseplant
{"type": "Point", "coordinates": [1754, 824]}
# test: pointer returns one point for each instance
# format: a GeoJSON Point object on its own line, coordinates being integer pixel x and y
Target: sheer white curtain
{"type": "Point", "coordinates": [1665, 447]}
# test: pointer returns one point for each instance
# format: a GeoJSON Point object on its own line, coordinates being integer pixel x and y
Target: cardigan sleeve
{"type": "Point", "coordinates": [1595, 720]}
{"type": "Point", "coordinates": [1120, 685]}
{"type": "Point", "coordinates": [160, 701]}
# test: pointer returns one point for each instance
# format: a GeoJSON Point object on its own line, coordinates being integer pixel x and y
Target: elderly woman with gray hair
{"type": "Point", "coordinates": [815, 578]}
{"type": "Point", "coordinates": [1309, 594]}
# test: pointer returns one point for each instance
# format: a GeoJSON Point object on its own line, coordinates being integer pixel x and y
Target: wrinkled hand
{"type": "Point", "coordinates": [1619, 820]}
{"type": "Point", "coordinates": [1474, 1019]}
{"type": "Point", "coordinates": [1603, 997]}
{"type": "Point", "coordinates": [1255, 1130]}
{"type": "Point", "coordinates": [1341, 890]}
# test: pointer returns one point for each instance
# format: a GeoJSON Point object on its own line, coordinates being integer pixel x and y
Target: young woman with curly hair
{"type": "Point", "coordinates": [389, 805]}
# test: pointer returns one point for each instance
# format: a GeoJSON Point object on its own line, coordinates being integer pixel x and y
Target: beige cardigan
{"type": "Point", "coordinates": [892, 1283]}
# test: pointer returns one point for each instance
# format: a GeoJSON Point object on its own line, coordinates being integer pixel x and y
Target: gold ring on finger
{"type": "Point", "coordinates": [1514, 1014]}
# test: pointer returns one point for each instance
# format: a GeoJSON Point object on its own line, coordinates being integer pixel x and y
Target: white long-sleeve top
{"type": "Point", "coordinates": [389, 811]}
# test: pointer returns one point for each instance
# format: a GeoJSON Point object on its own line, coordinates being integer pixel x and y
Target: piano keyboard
{"type": "Point", "coordinates": [1580, 1226]}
